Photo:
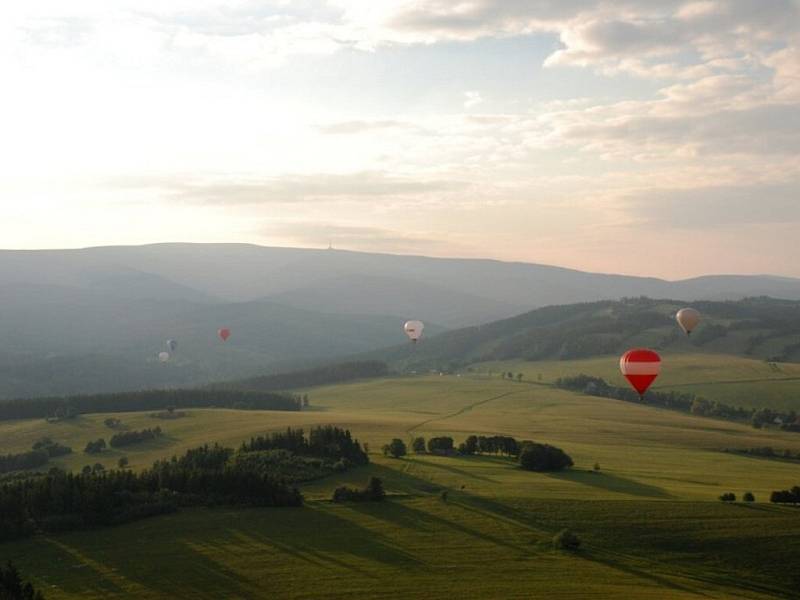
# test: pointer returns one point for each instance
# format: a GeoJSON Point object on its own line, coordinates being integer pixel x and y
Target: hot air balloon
{"type": "Point", "coordinates": [163, 356]}
{"type": "Point", "coordinates": [172, 345]}
{"type": "Point", "coordinates": [640, 367]}
{"type": "Point", "coordinates": [224, 334]}
{"type": "Point", "coordinates": [688, 318]}
{"type": "Point", "coordinates": [414, 329]}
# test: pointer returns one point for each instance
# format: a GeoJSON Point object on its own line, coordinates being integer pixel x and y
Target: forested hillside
{"type": "Point", "coordinates": [761, 328]}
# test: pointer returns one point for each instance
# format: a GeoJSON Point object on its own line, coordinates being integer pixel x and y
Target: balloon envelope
{"type": "Point", "coordinates": [224, 334]}
{"type": "Point", "coordinates": [688, 318]}
{"type": "Point", "coordinates": [163, 356]}
{"type": "Point", "coordinates": [172, 345]}
{"type": "Point", "coordinates": [640, 367]}
{"type": "Point", "coordinates": [414, 329]}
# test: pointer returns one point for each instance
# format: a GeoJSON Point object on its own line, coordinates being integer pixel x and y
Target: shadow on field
{"type": "Point", "coordinates": [611, 483]}
{"type": "Point", "coordinates": [330, 541]}
{"type": "Point", "coordinates": [605, 559]}
{"type": "Point", "coordinates": [116, 571]}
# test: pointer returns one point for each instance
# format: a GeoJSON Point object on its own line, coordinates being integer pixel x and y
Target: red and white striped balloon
{"type": "Point", "coordinates": [640, 367]}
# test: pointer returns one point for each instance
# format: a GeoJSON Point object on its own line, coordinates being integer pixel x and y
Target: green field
{"type": "Point", "coordinates": [650, 521]}
{"type": "Point", "coordinates": [729, 379]}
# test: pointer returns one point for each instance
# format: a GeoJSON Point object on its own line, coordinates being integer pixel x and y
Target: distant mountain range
{"type": "Point", "coordinates": [93, 320]}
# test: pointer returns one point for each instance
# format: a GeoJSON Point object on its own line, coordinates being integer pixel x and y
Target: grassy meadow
{"type": "Point", "coordinates": [650, 521]}
{"type": "Point", "coordinates": [734, 380]}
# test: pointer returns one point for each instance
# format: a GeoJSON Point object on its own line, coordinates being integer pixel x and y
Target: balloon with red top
{"type": "Point", "coordinates": [224, 334]}
{"type": "Point", "coordinates": [640, 367]}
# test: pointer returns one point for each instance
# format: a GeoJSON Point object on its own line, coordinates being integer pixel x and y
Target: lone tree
{"type": "Point", "coordinates": [728, 497]}
{"type": "Point", "coordinates": [122, 463]}
{"type": "Point", "coordinates": [519, 377]}
{"type": "Point", "coordinates": [749, 497]}
{"type": "Point", "coordinates": [418, 445]}
{"type": "Point", "coordinates": [566, 540]}
{"type": "Point", "coordinates": [396, 448]}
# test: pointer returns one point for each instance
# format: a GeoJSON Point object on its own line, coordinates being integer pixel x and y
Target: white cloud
{"type": "Point", "coordinates": [472, 99]}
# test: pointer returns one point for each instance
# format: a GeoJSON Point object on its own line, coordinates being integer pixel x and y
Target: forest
{"type": "Point", "coordinates": [72, 406]}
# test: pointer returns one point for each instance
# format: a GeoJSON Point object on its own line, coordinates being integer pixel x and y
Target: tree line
{"type": "Point", "coordinates": [532, 456]}
{"type": "Point", "coordinates": [43, 450]}
{"type": "Point", "coordinates": [126, 438]}
{"type": "Point", "coordinates": [791, 496]}
{"type": "Point", "coordinates": [766, 452]}
{"type": "Point", "coordinates": [681, 401]}
{"type": "Point", "coordinates": [71, 406]}
{"type": "Point", "coordinates": [324, 442]}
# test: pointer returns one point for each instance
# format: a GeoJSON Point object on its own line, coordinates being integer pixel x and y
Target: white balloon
{"type": "Point", "coordinates": [163, 356]}
{"type": "Point", "coordinates": [688, 319]}
{"type": "Point", "coordinates": [414, 329]}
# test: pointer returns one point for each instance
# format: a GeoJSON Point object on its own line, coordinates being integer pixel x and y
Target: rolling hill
{"type": "Point", "coordinates": [91, 320]}
{"type": "Point", "coordinates": [759, 328]}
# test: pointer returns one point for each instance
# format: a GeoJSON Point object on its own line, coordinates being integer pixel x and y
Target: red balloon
{"type": "Point", "coordinates": [640, 367]}
{"type": "Point", "coordinates": [224, 334]}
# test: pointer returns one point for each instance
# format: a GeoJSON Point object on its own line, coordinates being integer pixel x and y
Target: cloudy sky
{"type": "Point", "coordinates": [655, 138]}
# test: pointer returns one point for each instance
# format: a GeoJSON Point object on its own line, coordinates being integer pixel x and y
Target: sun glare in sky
{"type": "Point", "coordinates": [653, 138]}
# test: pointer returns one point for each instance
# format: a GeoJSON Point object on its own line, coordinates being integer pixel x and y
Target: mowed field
{"type": "Point", "coordinates": [733, 380]}
{"type": "Point", "coordinates": [650, 520]}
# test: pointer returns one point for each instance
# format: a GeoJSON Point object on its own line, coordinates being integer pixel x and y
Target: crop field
{"type": "Point", "coordinates": [649, 519]}
{"type": "Point", "coordinates": [729, 379]}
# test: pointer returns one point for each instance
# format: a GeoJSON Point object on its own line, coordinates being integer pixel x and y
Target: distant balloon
{"type": "Point", "coordinates": [172, 345]}
{"type": "Point", "coordinates": [688, 319]}
{"type": "Point", "coordinates": [640, 367]}
{"type": "Point", "coordinates": [413, 330]}
{"type": "Point", "coordinates": [224, 334]}
{"type": "Point", "coordinates": [163, 356]}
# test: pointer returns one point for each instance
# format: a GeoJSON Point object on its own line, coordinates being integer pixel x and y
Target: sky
{"type": "Point", "coordinates": [637, 137]}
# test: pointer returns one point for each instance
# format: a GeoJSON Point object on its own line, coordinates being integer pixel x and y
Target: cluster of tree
{"type": "Point", "coordinates": [532, 456]}
{"type": "Point", "coordinates": [96, 468]}
{"type": "Point", "coordinates": [329, 374]}
{"type": "Point", "coordinates": [24, 461]}
{"type": "Point", "coordinates": [766, 452]}
{"type": "Point", "coordinates": [511, 376]}
{"type": "Point", "coordinates": [126, 438]}
{"type": "Point", "coordinates": [765, 416]}
{"type": "Point", "coordinates": [566, 540]}
{"type": "Point", "coordinates": [203, 476]}
{"type": "Point", "coordinates": [791, 496]}
{"type": "Point", "coordinates": [290, 467]}
{"type": "Point", "coordinates": [95, 447]}
{"type": "Point", "coordinates": [327, 442]}
{"type": "Point", "coordinates": [731, 497]}
{"type": "Point", "coordinates": [112, 422]}
{"type": "Point", "coordinates": [682, 401]}
{"type": "Point", "coordinates": [373, 492]}
{"type": "Point", "coordinates": [495, 444]}
{"type": "Point", "coordinates": [52, 448]}
{"type": "Point", "coordinates": [72, 406]}
{"type": "Point", "coordinates": [441, 445]}
{"type": "Point", "coordinates": [543, 457]}
{"type": "Point", "coordinates": [396, 448]}
{"type": "Point", "coordinates": [12, 586]}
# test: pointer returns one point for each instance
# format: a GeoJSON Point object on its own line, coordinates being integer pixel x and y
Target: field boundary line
{"type": "Point", "coordinates": [461, 410]}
